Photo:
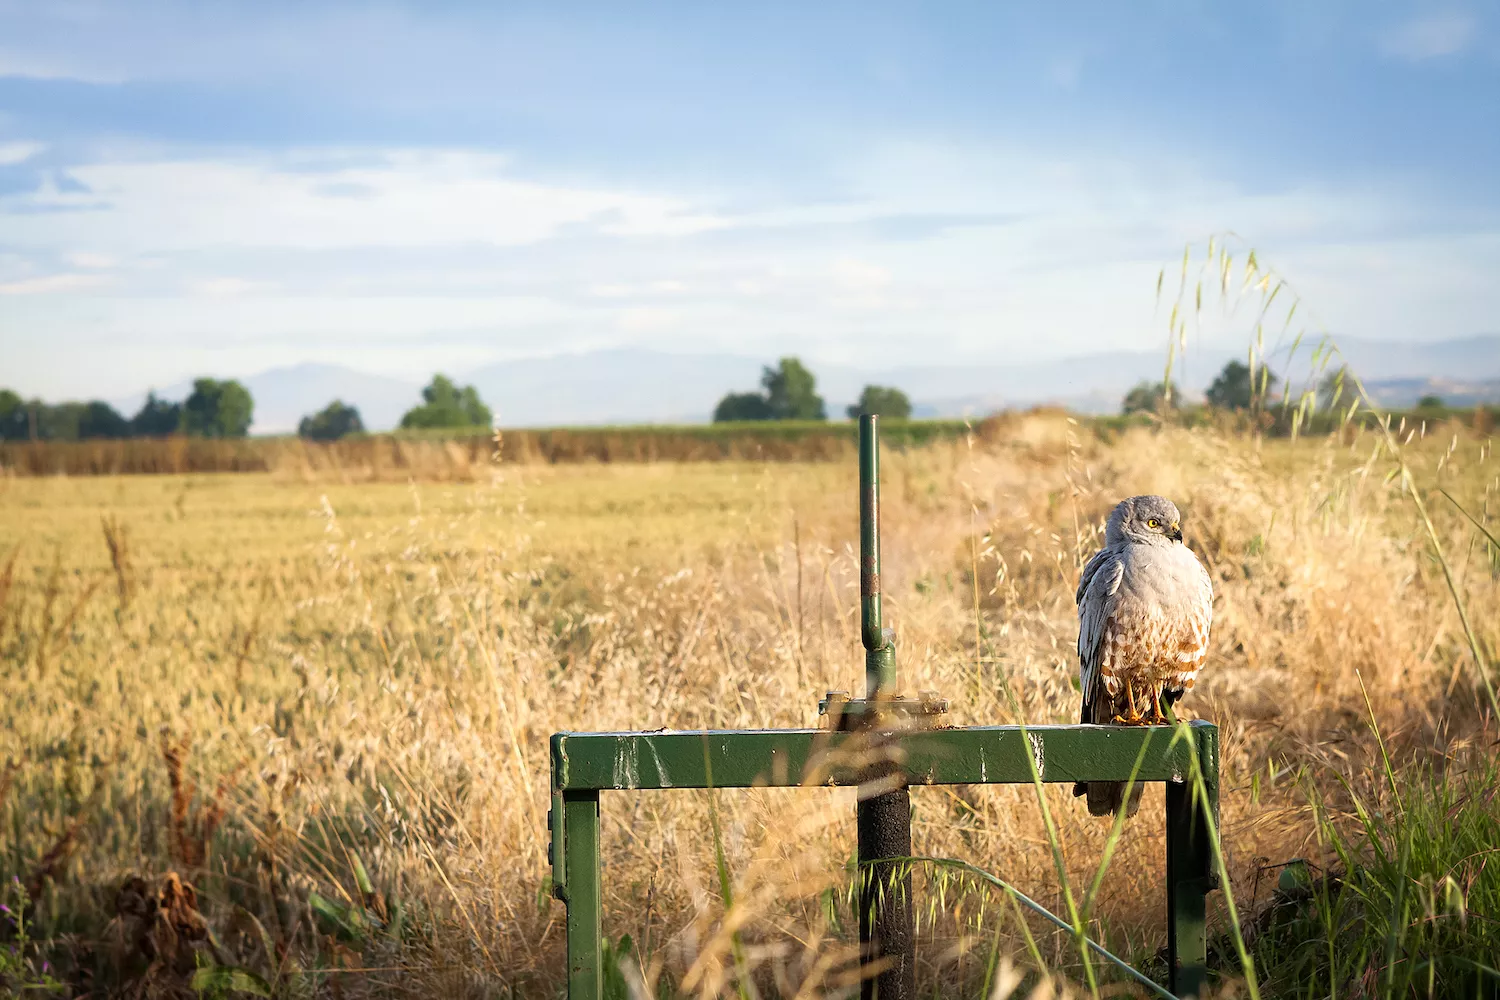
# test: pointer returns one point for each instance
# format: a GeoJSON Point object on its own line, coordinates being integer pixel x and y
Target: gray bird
{"type": "Point", "coordinates": [1145, 605]}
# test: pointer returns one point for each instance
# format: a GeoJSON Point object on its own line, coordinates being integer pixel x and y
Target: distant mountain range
{"type": "Point", "coordinates": [1403, 393]}
{"type": "Point", "coordinates": [640, 386]}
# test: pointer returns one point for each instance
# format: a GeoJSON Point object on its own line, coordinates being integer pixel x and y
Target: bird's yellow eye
{"type": "Point", "coordinates": [1153, 523]}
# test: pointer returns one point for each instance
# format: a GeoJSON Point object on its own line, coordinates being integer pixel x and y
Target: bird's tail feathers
{"type": "Point", "coordinates": [1106, 797]}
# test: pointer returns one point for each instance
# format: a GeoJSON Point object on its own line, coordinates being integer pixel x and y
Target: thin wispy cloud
{"type": "Point", "coordinates": [1431, 36]}
{"type": "Point", "coordinates": [51, 284]}
{"type": "Point", "coordinates": [18, 152]}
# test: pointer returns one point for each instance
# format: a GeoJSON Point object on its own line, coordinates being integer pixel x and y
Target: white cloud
{"type": "Point", "coordinates": [449, 259]}
{"type": "Point", "coordinates": [859, 276]}
{"type": "Point", "coordinates": [35, 66]}
{"type": "Point", "coordinates": [227, 287]}
{"type": "Point", "coordinates": [51, 284]}
{"type": "Point", "coordinates": [410, 199]}
{"type": "Point", "coordinates": [18, 152]}
{"type": "Point", "coordinates": [647, 319]}
{"type": "Point", "coordinates": [1430, 37]}
{"type": "Point", "coordinates": [91, 261]}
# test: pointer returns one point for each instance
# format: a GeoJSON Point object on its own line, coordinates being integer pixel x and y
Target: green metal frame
{"type": "Point", "coordinates": [584, 764]}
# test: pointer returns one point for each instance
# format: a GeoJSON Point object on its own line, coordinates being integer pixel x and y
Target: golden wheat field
{"type": "Point", "coordinates": [306, 721]}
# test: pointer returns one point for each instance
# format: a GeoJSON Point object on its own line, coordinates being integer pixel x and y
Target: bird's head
{"type": "Point", "coordinates": [1145, 520]}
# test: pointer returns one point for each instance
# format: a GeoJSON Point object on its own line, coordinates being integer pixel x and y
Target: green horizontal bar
{"type": "Point", "coordinates": [782, 758]}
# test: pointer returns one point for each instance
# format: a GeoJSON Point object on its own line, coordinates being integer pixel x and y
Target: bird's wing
{"type": "Point", "coordinates": [1205, 588]}
{"type": "Point", "coordinates": [1096, 599]}
{"type": "Point", "coordinates": [1090, 568]}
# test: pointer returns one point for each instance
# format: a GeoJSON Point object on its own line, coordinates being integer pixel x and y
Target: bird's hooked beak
{"type": "Point", "coordinates": [1176, 532]}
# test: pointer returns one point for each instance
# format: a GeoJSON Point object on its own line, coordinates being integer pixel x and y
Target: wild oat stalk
{"type": "Point", "coordinates": [1265, 286]}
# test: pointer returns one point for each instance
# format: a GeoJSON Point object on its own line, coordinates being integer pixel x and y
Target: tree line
{"type": "Point", "coordinates": [221, 409]}
{"type": "Point", "coordinates": [445, 404]}
{"type": "Point", "coordinates": [1236, 387]}
{"type": "Point", "coordinates": [790, 392]}
{"type": "Point", "coordinates": [225, 409]}
{"type": "Point", "coordinates": [1239, 386]}
{"type": "Point", "coordinates": [214, 409]}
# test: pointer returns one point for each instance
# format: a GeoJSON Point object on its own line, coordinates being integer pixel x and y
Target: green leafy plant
{"type": "Point", "coordinates": [1405, 905]}
{"type": "Point", "coordinates": [216, 981]}
{"type": "Point", "coordinates": [22, 969]}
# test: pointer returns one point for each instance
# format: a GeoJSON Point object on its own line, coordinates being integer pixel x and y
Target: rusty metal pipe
{"type": "Point", "coordinates": [869, 533]}
{"type": "Point", "coordinates": [887, 949]}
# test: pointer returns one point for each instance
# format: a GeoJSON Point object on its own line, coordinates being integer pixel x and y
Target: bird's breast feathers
{"type": "Point", "coordinates": [1167, 577]}
{"type": "Point", "coordinates": [1156, 623]}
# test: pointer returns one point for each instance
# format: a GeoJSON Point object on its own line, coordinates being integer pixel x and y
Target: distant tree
{"type": "Point", "coordinates": [446, 405]}
{"type": "Point", "coordinates": [331, 423]}
{"type": "Point", "coordinates": [59, 421]}
{"type": "Point", "coordinates": [100, 420]}
{"type": "Point", "coordinates": [742, 406]}
{"type": "Point", "coordinates": [218, 409]}
{"type": "Point", "coordinates": [1430, 402]}
{"type": "Point", "coordinates": [1237, 387]}
{"type": "Point", "coordinates": [791, 392]}
{"type": "Point", "coordinates": [883, 401]}
{"type": "Point", "coordinates": [156, 418]}
{"type": "Point", "coordinates": [14, 421]}
{"type": "Point", "coordinates": [1147, 397]}
{"type": "Point", "coordinates": [34, 420]}
{"type": "Point", "coordinates": [22, 420]}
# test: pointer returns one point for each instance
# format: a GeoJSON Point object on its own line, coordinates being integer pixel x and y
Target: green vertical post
{"type": "Point", "coordinates": [887, 948]}
{"type": "Point", "coordinates": [1190, 867]}
{"type": "Point", "coordinates": [869, 544]}
{"type": "Point", "coordinates": [581, 893]}
{"type": "Point", "coordinates": [880, 657]}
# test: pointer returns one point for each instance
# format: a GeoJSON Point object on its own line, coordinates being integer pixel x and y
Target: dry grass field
{"type": "Point", "coordinates": [298, 726]}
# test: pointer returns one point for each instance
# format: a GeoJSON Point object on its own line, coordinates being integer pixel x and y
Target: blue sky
{"type": "Point", "coordinates": [224, 187]}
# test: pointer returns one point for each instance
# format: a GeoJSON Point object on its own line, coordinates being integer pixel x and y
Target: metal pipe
{"type": "Point", "coordinates": [869, 535]}
{"type": "Point", "coordinates": [887, 945]}
{"type": "Point", "coordinates": [887, 948]}
{"type": "Point", "coordinates": [880, 652]}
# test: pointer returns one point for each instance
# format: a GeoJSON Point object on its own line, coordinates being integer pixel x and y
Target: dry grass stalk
{"type": "Point", "coordinates": [117, 540]}
{"type": "Point", "coordinates": [7, 776]}
{"type": "Point", "coordinates": [7, 582]}
{"type": "Point", "coordinates": [190, 831]}
{"type": "Point", "coordinates": [47, 866]}
{"type": "Point", "coordinates": [55, 633]}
